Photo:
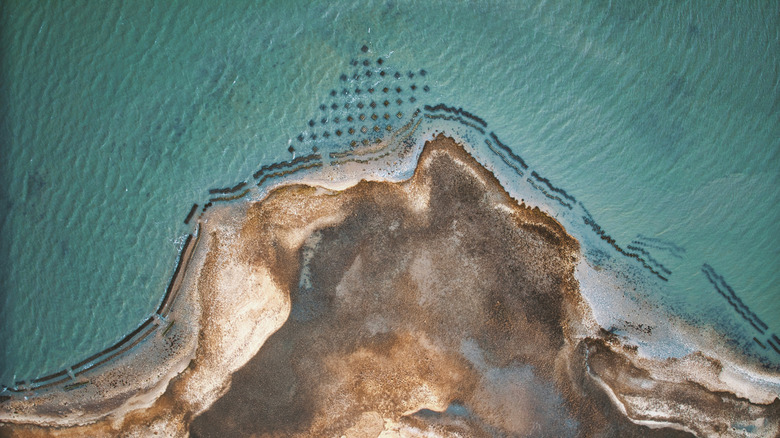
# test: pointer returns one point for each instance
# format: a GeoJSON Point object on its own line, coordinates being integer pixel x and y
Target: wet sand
{"type": "Point", "coordinates": [435, 306]}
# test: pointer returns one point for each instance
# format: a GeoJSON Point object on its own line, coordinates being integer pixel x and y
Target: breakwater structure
{"type": "Point", "coordinates": [727, 292]}
{"type": "Point", "coordinates": [76, 375]}
{"type": "Point", "coordinates": [375, 116]}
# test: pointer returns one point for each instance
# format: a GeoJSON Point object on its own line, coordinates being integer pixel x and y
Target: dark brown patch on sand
{"type": "Point", "coordinates": [434, 307]}
{"type": "Point", "coordinates": [448, 316]}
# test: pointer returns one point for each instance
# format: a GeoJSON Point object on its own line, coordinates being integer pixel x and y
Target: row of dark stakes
{"type": "Point", "coordinates": [303, 162]}
{"type": "Point", "coordinates": [125, 344]}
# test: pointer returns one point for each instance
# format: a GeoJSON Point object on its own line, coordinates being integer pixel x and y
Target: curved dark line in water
{"type": "Point", "coordinates": [456, 111]}
{"type": "Point", "coordinates": [283, 164]}
{"type": "Point", "coordinates": [712, 277]}
{"type": "Point", "coordinates": [604, 236]}
{"type": "Point", "coordinates": [508, 151]}
{"type": "Point", "coordinates": [553, 188]}
{"type": "Point", "coordinates": [456, 119]}
{"type": "Point", "coordinates": [235, 188]}
{"type": "Point", "coordinates": [649, 258]}
{"type": "Point", "coordinates": [504, 159]}
{"type": "Point", "coordinates": [733, 294]}
{"type": "Point", "coordinates": [660, 248]}
{"type": "Point", "coordinates": [551, 196]}
{"type": "Point", "coordinates": [661, 242]}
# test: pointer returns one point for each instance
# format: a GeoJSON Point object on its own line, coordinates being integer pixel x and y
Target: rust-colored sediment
{"type": "Point", "coordinates": [435, 305]}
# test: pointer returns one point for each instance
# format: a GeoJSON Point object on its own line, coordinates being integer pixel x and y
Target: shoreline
{"type": "Point", "coordinates": [217, 341]}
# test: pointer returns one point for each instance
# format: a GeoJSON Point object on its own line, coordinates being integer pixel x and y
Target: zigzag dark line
{"type": "Point", "coordinates": [287, 172]}
{"type": "Point", "coordinates": [660, 248]}
{"type": "Point", "coordinates": [235, 188]}
{"type": "Point", "coordinates": [604, 236]}
{"type": "Point", "coordinates": [229, 198]}
{"type": "Point", "coordinates": [283, 164]}
{"type": "Point", "coordinates": [759, 343]}
{"type": "Point", "coordinates": [453, 110]}
{"type": "Point", "coordinates": [507, 162]}
{"type": "Point", "coordinates": [736, 298]}
{"type": "Point", "coordinates": [508, 151]}
{"type": "Point", "coordinates": [553, 188]}
{"type": "Point", "coordinates": [456, 119]}
{"type": "Point", "coordinates": [650, 258]}
{"type": "Point", "coordinates": [662, 242]}
{"type": "Point", "coordinates": [541, 189]}
{"type": "Point", "coordinates": [711, 279]}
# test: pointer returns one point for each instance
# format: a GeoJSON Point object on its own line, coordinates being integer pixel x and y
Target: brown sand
{"type": "Point", "coordinates": [437, 305]}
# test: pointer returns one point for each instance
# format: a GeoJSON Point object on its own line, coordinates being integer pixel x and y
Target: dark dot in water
{"type": "Point", "coordinates": [314, 149]}
{"type": "Point", "coordinates": [311, 122]}
{"type": "Point", "coordinates": [358, 90]}
{"type": "Point", "coordinates": [399, 101]}
{"type": "Point", "coordinates": [389, 128]}
{"type": "Point", "coordinates": [386, 116]}
{"type": "Point", "coordinates": [334, 106]}
{"type": "Point", "coordinates": [364, 130]}
{"type": "Point", "coordinates": [373, 104]}
{"type": "Point", "coordinates": [368, 73]}
{"type": "Point", "coordinates": [362, 117]}
{"type": "Point", "coordinates": [324, 120]}
{"type": "Point", "coordinates": [326, 134]}
{"type": "Point", "coordinates": [380, 61]}
{"type": "Point", "coordinates": [397, 75]}
{"type": "Point", "coordinates": [346, 105]}
{"type": "Point", "coordinates": [365, 140]}
{"type": "Point", "coordinates": [352, 143]}
{"type": "Point", "coordinates": [349, 118]}
{"type": "Point", "coordinates": [365, 62]}
{"type": "Point", "coordinates": [336, 120]}
{"type": "Point", "coordinates": [338, 132]}
{"type": "Point", "coordinates": [291, 149]}
{"type": "Point", "coordinates": [355, 76]}
{"type": "Point", "coordinates": [398, 89]}
{"type": "Point", "coordinates": [382, 73]}
{"type": "Point", "coordinates": [343, 77]}
{"type": "Point", "coordinates": [410, 74]}
{"type": "Point", "coordinates": [332, 92]}
{"type": "Point", "coordinates": [386, 103]}
{"type": "Point", "coordinates": [370, 90]}
{"type": "Point", "coordinates": [360, 105]}
{"type": "Point", "coordinates": [413, 87]}
{"type": "Point", "coordinates": [323, 107]}
{"type": "Point", "coordinates": [364, 49]}
{"type": "Point", "coordinates": [351, 131]}
{"type": "Point", "coordinates": [314, 136]}
{"type": "Point", "coordinates": [426, 89]}
{"type": "Point", "coordinates": [376, 128]}
{"type": "Point", "coordinates": [412, 99]}
{"type": "Point", "coordinates": [374, 116]}
{"type": "Point", "coordinates": [300, 137]}
{"type": "Point", "coordinates": [423, 72]}
{"type": "Point", "coordinates": [385, 90]}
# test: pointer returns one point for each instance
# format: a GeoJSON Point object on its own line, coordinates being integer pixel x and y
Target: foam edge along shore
{"type": "Point", "coordinates": [236, 293]}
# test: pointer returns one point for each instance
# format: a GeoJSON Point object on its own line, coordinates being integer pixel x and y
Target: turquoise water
{"type": "Point", "coordinates": [661, 119]}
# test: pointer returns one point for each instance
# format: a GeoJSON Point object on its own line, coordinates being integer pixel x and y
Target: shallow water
{"type": "Point", "coordinates": [660, 119]}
